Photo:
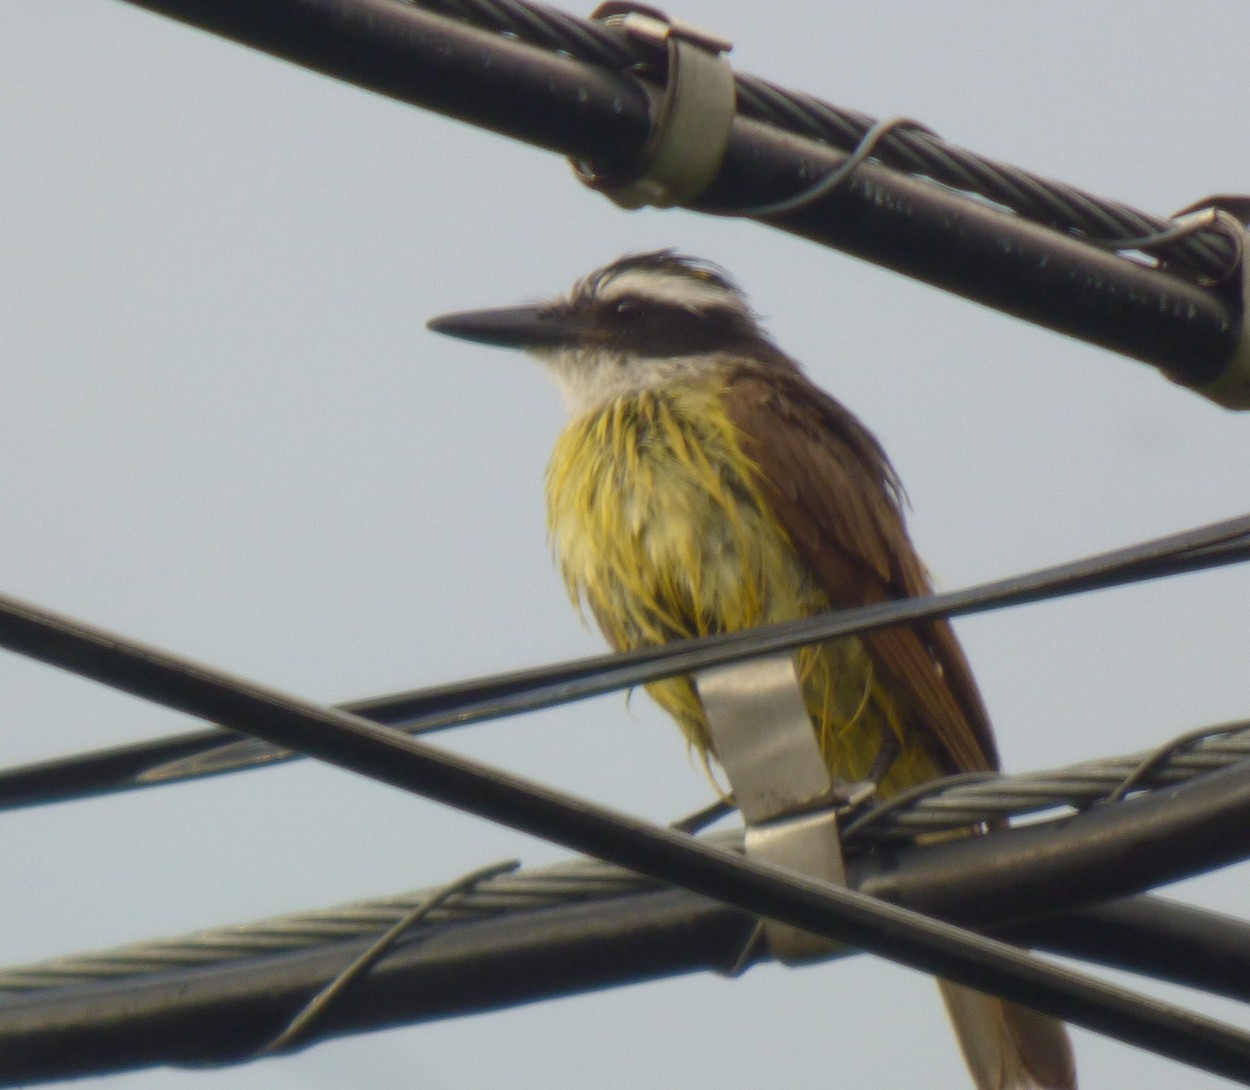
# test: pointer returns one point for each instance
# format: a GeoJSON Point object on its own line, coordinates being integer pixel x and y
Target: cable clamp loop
{"type": "Point", "coordinates": [1231, 388]}
{"type": "Point", "coordinates": [763, 738]}
{"type": "Point", "coordinates": [692, 119]}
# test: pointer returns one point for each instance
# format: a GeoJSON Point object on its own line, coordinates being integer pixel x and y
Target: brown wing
{"type": "Point", "coordinates": [833, 489]}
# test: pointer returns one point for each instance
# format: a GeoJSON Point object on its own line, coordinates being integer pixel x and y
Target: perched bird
{"type": "Point", "coordinates": [704, 484]}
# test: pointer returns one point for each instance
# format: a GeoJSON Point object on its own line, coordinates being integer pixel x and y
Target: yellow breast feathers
{"type": "Point", "coordinates": [661, 530]}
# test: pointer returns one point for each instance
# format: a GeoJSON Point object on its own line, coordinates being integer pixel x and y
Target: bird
{"type": "Point", "coordinates": [704, 484]}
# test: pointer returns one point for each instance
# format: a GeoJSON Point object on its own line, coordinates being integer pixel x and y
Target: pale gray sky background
{"type": "Point", "coordinates": [225, 430]}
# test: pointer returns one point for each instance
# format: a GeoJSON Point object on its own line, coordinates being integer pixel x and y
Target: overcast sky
{"type": "Point", "coordinates": [225, 430]}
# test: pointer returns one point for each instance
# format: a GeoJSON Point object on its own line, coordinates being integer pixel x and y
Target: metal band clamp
{"type": "Point", "coordinates": [1232, 388]}
{"type": "Point", "coordinates": [692, 120]}
{"type": "Point", "coordinates": [763, 738]}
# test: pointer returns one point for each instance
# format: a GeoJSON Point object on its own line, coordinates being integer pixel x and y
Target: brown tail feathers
{"type": "Point", "coordinates": [1008, 1047]}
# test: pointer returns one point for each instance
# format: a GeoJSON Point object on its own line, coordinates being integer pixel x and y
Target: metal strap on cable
{"type": "Point", "coordinates": [692, 120]}
{"type": "Point", "coordinates": [763, 738]}
{"type": "Point", "coordinates": [1232, 388]}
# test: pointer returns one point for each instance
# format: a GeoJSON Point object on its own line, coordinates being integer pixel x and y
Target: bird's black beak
{"type": "Point", "coordinates": [542, 325]}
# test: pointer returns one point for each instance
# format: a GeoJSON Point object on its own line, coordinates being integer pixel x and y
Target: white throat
{"type": "Point", "coordinates": [590, 380]}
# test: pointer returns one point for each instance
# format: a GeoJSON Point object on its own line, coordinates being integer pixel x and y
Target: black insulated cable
{"type": "Point", "coordinates": [1184, 317]}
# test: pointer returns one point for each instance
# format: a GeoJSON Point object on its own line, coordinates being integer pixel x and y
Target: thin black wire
{"type": "Point", "coordinates": [865, 149]}
{"type": "Point", "coordinates": [1214, 545]}
{"type": "Point", "coordinates": [1161, 755]}
{"type": "Point", "coordinates": [836, 913]}
{"type": "Point", "coordinates": [425, 711]}
{"type": "Point", "coordinates": [1209, 254]}
{"type": "Point", "coordinates": [300, 1027]}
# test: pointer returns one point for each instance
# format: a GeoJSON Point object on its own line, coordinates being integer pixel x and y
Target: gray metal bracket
{"type": "Point", "coordinates": [1231, 388]}
{"type": "Point", "coordinates": [692, 117]}
{"type": "Point", "coordinates": [764, 740]}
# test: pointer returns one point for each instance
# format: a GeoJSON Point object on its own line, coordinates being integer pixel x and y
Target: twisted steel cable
{"type": "Point", "coordinates": [518, 891]}
{"type": "Point", "coordinates": [944, 804]}
{"type": "Point", "coordinates": [959, 801]}
{"type": "Point", "coordinates": [1208, 255]}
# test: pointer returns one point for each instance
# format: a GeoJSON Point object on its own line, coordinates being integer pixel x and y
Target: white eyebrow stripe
{"type": "Point", "coordinates": [671, 288]}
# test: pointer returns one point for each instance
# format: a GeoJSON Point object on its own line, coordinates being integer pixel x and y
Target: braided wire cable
{"type": "Point", "coordinates": [517, 891]}
{"type": "Point", "coordinates": [1208, 255]}
{"type": "Point", "coordinates": [576, 880]}
{"type": "Point", "coordinates": [956, 802]}
{"type": "Point", "coordinates": [959, 801]}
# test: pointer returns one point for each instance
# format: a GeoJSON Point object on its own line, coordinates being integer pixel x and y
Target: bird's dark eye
{"type": "Point", "coordinates": [626, 308]}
